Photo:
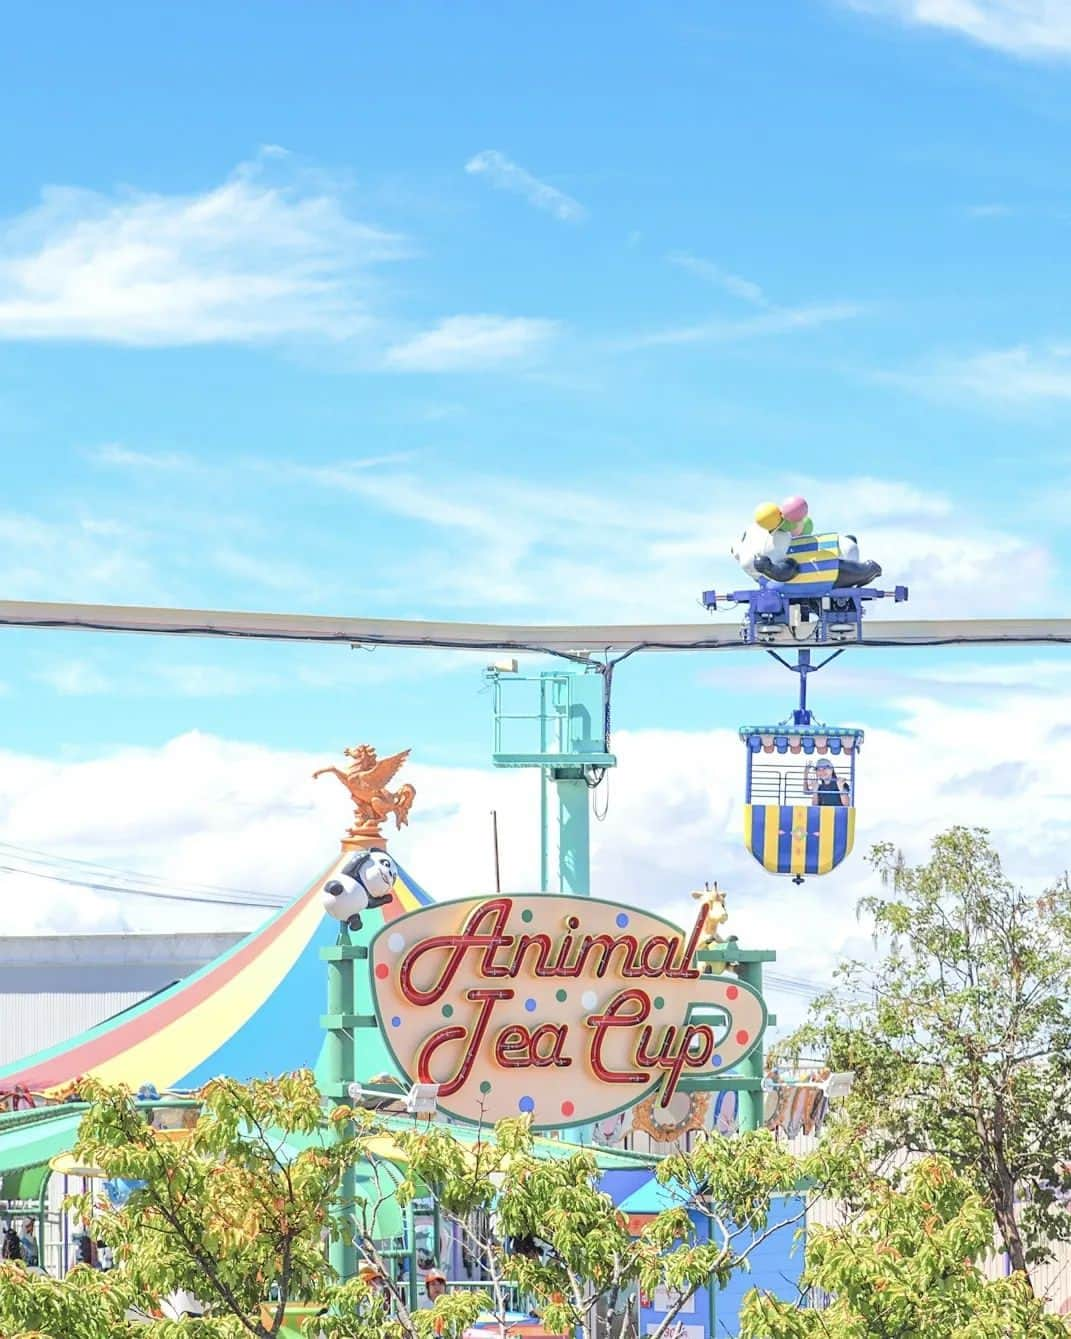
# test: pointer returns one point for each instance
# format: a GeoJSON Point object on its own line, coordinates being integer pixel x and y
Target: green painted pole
{"type": "Point", "coordinates": [750, 1101]}
{"type": "Point", "coordinates": [574, 832]}
{"type": "Point", "coordinates": [411, 1262]}
{"type": "Point", "coordinates": [339, 1071]}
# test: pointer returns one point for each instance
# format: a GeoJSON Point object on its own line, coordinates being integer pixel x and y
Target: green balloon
{"type": "Point", "coordinates": [808, 527]}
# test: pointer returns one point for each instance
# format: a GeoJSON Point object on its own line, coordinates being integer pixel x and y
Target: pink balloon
{"type": "Point", "coordinates": [794, 508]}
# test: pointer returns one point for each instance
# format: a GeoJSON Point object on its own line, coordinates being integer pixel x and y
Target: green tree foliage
{"type": "Point", "coordinates": [240, 1211]}
{"type": "Point", "coordinates": [959, 1033]}
{"type": "Point", "coordinates": [236, 1214]}
{"type": "Point", "coordinates": [906, 1265]}
{"type": "Point", "coordinates": [719, 1197]}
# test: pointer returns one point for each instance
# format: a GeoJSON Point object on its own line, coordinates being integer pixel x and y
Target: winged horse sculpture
{"type": "Point", "coordinates": [366, 780]}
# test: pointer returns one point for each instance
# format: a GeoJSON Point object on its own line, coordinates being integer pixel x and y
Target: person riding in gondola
{"type": "Point", "coordinates": [821, 782]}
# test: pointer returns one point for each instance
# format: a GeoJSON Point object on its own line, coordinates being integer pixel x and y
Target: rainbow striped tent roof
{"type": "Point", "coordinates": [253, 1011]}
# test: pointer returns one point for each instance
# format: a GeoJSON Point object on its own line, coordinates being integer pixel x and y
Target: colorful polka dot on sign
{"type": "Point", "coordinates": [382, 971]}
{"type": "Point", "coordinates": [589, 999]}
{"type": "Point", "coordinates": [530, 1005]}
{"type": "Point", "coordinates": [396, 943]}
{"type": "Point", "coordinates": [568, 1108]}
{"type": "Point", "coordinates": [622, 920]}
{"type": "Point", "coordinates": [715, 1060]}
{"type": "Point", "coordinates": [658, 1002]}
{"type": "Point", "coordinates": [526, 1104]}
{"type": "Point", "coordinates": [485, 1087]}
{"type": "Point", "coordinates": [731, 992]}
{"type": "Point", "coordinates": [395, 1021]}
{"type": "Point", "coordinates": [561, 996]}
{"type": "Point", "coordinates": [448, 1011]}
{"type": "Point", "coordinates": [526, 916]}
{"type": "Point", "coordinates": [742, 1037]}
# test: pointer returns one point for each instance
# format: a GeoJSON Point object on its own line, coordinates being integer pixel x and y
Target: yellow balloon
{"type": "Point", "coordinates": [768, 515]}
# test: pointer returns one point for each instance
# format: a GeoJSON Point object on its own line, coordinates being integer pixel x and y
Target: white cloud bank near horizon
{"type": "Point", "coordinates": [212, 811]}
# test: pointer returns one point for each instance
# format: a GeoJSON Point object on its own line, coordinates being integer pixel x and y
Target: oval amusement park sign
{"type": "Point", "coordinates": [566, 1008]}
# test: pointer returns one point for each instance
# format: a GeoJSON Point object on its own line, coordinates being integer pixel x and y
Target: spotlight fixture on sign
{"type": "Point", "coordinates": [422, 1099]}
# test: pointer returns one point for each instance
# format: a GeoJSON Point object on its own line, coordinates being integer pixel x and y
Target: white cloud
{"type": "Point", "coordinates": [989, 211]}
{"type": "Point", "coordinates": [113, 454]}
{"type": "Point", "coordinates": [507, 548]}
{"type": "Point", "coordinates": [78, 557]}
{"type": "Point", "coordinates": [506, 175]}
{"type": "Point", "coordinates": [734, 284]}
{"type": "Point", "coordinates": [471, 343]}
{"type": "Point", "coordinates": [266, 255]}
{"type": "Point", "coordinates": [208, 810]}
{"type": "Point", "coordinates": [775, 321]}
{"type": "Point", "coordinates": [1020, 27]}
{"type": "Point", "coordinates": [75, 678]}
{"type": "Point", "coordinates": [1016, 375]}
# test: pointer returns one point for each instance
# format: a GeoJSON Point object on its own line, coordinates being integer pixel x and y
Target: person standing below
{"type": "Point", "coordinates": [28, 1244]}
{"type": "Point", "coordinates": [434, 1288]}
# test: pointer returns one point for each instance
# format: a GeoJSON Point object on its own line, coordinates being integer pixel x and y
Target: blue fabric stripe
{"type": "Point", "coordinates": [758, 830]}
{"type": "Point", "coordinates": [840, 835]}
{"type": "Point", "coordinates": [784, 840]}
{"type": "Point", "coordinates": [814, 818]}
{"type": "Point", "coordinates": [819, 564]}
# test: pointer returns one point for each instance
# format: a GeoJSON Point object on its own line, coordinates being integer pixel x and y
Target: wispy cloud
{"type": "Point", "coordinates": [992, 211]}
{"type": "Point", "coordinates": [1019, 375]}
{"type": "Point", "coordinates": [1031, 28]}
{"type": "Point", "coordinates": [511, 548]}
{"type": "Point", "coordinates": [775, 321]}
{"type": "Point", "coordinates": [733, 284]}
{"type": "Point", "coordinates": [507, 175]}
{"type": "Point", "coordinates": [116, 456]}
{"type": "Point", "coordinates": [266, 255]}
{"type": "Point", "coordinates": [471, 344]}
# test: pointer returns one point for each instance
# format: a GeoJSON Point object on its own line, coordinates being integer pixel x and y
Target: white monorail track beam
{"type": "Point", "coordinates": [554, 639]}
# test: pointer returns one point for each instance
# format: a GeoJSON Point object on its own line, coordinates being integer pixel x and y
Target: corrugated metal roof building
{"type": "Point", "coordinates": [53, 987]}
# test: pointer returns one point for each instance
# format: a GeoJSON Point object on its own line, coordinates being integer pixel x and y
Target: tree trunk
{"type": "Point", "coordinates": [1011, 1237]}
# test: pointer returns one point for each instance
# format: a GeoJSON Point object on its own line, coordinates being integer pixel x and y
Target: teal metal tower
{"type": "Point", "coordinates": [558, 721]}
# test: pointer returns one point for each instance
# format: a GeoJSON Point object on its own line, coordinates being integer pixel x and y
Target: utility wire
{"type": "Point", "coordinates": [101, 878]}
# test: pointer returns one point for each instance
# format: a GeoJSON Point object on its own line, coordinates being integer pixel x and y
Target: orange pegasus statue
{"type": "Point", "coordinates": [366, 780]}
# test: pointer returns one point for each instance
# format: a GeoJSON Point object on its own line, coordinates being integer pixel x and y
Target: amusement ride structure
{"type": "Point", "coordinates": [251, 1012]}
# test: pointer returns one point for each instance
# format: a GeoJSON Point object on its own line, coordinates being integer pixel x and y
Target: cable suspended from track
{"type": "Point", "coordinates": [571, 641]}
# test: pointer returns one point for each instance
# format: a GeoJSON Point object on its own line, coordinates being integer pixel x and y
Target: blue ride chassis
{"type": "Point", "coordinates": [776, 614]}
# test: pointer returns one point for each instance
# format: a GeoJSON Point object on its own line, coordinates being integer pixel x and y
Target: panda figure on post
{"type": "Point", "coordinates": [365, 880]}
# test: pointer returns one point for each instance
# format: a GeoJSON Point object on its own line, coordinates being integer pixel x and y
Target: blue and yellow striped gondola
{"type": "Point", "coordinates": [794, 823]}
{"type": "Point", "coordinates": [818, 557]}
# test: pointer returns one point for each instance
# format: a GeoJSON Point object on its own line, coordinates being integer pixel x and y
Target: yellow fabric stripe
{"type": "Point", "coordinates": [747, 825]}
{"type": "Point", "coordinates": [183, 1044]}
{"type": "Point", "coordinates": [826, 822]}
{"type": "Point", "coordinates": [798, 859]}
{"type": "Point", "coordinates": [769, 840]}
{"type": "Point", "coordinates": [851, 830]}
{"type": "Point", "coordinates": [829, 540]}
{"type": "Point", "coordinates": [812, 578]}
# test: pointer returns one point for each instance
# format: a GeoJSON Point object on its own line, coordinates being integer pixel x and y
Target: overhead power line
{"type": "Point", "coordinates": [25, 861]}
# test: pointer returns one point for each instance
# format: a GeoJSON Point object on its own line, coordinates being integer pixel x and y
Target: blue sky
{"type": "Point", "coordinates": [514, 313]}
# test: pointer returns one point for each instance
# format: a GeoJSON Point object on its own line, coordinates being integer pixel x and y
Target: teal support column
{"type": "Point", "coordinates": [750, 1100]}
{"type": "Point", "coordinates": [340, 1071]}
{"type": "Point", "coordinates": [574, 832]}
{"type": "Point", "coordinates": [544, 832]}
{"type": "Point", "coordinates": [412, 1282]}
